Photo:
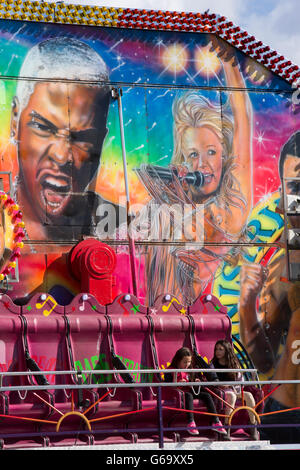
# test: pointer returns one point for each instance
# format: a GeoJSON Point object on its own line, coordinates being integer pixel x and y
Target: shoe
{"type": "Point", "coordinates": [219, 428]}
{"type": "Point", "coordinates": [254, 434]}
{"type": "Point", "coordinates": [190, 426]}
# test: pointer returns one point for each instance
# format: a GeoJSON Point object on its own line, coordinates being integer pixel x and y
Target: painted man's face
{"type": "Point", "coordinates": [291, 169]}
{"type": "Point", "coordinates": [59, 144]}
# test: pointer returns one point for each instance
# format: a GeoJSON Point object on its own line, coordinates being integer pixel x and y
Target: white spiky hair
{"type": "Point", "coordinates": [61, 58]}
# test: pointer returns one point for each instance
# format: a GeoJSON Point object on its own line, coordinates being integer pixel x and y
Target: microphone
{"type": "Point", "coordinates": [195, 178]}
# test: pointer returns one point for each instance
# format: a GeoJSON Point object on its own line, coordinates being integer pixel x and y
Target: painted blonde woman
{"type": "Point", "coordinates": [215, 140]}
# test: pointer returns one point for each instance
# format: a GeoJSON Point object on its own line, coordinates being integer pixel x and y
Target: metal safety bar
{"type": "Point", "coordinates": [122, 371]}
{"type": "Point", "coordinates": [136, 384]}
{"type": "Point", "coordinates": [144, 384]}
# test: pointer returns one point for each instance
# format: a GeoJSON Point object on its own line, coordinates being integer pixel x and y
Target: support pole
{"type": "Point", "coordinates": [116, 94]}
{"type": "Point", "coordinates": [160, 419]}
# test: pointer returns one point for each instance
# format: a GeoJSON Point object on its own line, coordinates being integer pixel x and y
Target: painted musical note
{"type": "Point", "coordinates": [83, 298]}
{"type": "Point", "coordinates": [165, 308]}
{"type": "Point", "coordinates": [46, 312]}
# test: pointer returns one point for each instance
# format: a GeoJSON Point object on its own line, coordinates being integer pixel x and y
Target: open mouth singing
{"type": "Point", "coordinates": [56, 191]}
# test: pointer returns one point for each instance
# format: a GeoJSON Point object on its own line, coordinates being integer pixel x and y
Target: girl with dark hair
{"type": "Point", "coordinates": [225, 358]}
{"type": "Point", "coordinates": [183, 359]}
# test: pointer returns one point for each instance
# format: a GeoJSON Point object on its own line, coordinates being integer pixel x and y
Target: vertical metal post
{"type": "Point", "coordinates": [116, 94]}
{"type": "Point", "coordinates": [160, 419]}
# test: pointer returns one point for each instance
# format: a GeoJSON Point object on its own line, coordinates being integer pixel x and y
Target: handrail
{"type": "Point", "coordinates": [121, 371]}
{"type": "Point", "coordinates": [136, 384]}
{"type": "Point", "coordinates": [147, 384]}
{"type": "Point", "coordinates": [160, 404]}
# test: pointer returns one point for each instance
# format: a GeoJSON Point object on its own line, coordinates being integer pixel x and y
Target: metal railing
{"type": "Point", "coordinates": [118, 385]}
{"type": "Point", "coordinates": [109, 385]}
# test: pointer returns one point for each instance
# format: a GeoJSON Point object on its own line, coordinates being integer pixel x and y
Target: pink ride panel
{"type": "Point", "coordinates": [88, 330]}
{"type": "Point", "coordinates": [211, 324]}
{"type": "Point", "coordinates": [88, 336]}
{"type": "Point", "coordinates": [130, 334]}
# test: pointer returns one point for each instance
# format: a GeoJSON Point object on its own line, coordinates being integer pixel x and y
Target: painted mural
{"type": "Point", "coordinates": [209, 136]}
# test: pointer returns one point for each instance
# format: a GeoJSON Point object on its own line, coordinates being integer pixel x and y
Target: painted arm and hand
{"type": "Point", "coordinates": [242, 147]}
{"type": "Point", "coordinates": [288, 367]}
{"type": "Point", "coordinates": [261, 339]}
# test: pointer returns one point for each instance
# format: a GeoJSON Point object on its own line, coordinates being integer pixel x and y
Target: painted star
{"type": "Point", "coordinates": [136, 308]}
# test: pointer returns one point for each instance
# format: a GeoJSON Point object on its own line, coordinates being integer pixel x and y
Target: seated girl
{"type": "Point", "coordinates": [183, 360]}
{"type": "Point", "coordinates": [225, 358]}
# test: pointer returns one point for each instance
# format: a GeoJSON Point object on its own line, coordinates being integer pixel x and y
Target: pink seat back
{"type": "Point", "coordinates": [130, 334]}
{"type": "Point", "coordinates": [171, 329]}
{"type": "Point", "coordinates": [87, 334]}
{"type": "Point", "coordinates": [46, 336]}
{"type": "Point", "coordinates": [11, 350]}
{"type": "Point", "coordinates": [211, 323]}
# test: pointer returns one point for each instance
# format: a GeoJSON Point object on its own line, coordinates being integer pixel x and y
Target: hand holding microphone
{"type": "Point", "coordinates": [167, 174]}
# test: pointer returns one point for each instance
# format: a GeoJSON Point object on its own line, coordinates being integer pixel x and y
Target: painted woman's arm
{"type": "Point", "coordinates": [242, 142]}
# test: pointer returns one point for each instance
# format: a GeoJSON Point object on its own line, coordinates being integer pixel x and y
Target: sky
{"type": "Point", "coordinates": [274, 22]}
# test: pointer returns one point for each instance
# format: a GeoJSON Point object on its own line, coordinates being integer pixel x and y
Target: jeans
{"type": "Point", "coordinates": [206, 398]}
{"type": "Point", "coordinates": [280, 435]}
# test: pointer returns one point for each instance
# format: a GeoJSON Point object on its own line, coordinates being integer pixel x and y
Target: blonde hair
{"type": "Point", "coordinates": [194, 110]}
